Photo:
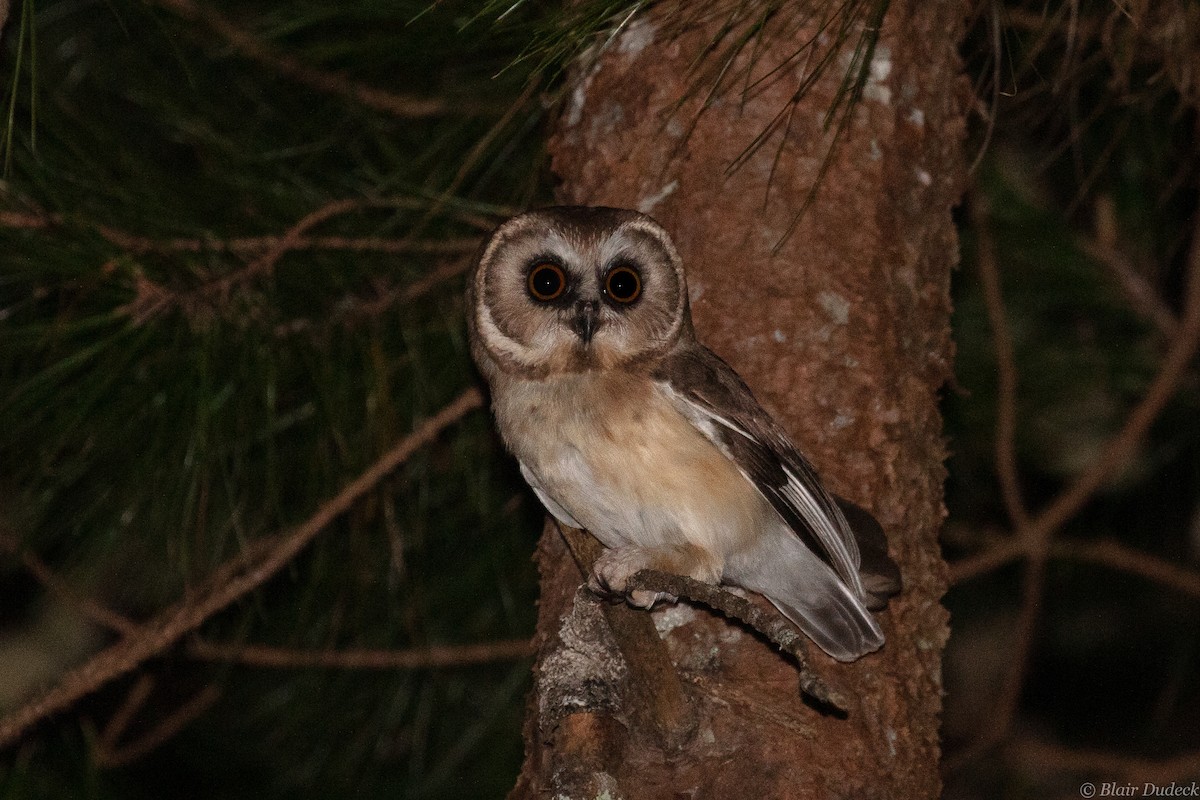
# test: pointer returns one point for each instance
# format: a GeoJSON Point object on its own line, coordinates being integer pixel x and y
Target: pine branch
{"type": "Point", "coordinates": [227, 584]}
{"type": "Point", "coordinates": [138, 244]}
{"type": "Point", "coordinates": [405, 106]}
{"type": "Point", "coordinates": [110, 753]}
{"type": "Point", "coordinates": [428, 657]}
{"type": "Point", "coordinates": [1033, 539]}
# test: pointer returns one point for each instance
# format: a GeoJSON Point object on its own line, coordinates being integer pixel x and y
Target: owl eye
{"type": "Point", "coordinates": [623, 284]}
{"type": "Point", "coordinates": [546, 281]}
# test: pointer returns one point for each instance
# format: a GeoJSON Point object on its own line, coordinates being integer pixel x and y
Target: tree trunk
{"type": "Point", "coordinates": [842, 331]}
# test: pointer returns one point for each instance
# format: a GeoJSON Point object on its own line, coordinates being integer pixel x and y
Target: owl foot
{"type": "Point", "coordinates": [614, 568]}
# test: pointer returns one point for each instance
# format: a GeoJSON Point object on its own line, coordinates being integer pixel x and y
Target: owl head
{"type": "Point", "coordinates": [575, 288]}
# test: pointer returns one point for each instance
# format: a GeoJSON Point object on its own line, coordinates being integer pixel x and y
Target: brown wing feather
{"type": "Point", "coordinates": [721, 405]}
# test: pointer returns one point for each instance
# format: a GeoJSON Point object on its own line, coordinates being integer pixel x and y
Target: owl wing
{"type": "Point", "coordinates": [717, 402]}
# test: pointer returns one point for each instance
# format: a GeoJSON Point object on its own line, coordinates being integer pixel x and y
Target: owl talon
{"type": "Point", "coordinates": [611, 573]}
{"type": "Point", "coordinates": [638, 598]}
{"type": "Point", "coordinates": [613, 568]}
{"type": "Point", "coordinates": [647, 598]}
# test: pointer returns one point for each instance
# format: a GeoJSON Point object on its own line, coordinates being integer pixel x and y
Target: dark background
{"type": "Point", "coordinates": [181, 378]}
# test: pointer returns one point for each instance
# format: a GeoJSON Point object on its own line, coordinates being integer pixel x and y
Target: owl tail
{"type": "Point", "coordinates": [809, 593]}
{"type": "Point", "coordinates": [879, 574]}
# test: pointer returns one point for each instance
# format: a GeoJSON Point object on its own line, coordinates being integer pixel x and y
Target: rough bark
{"type": "Point", "coordinates": [843, 334]}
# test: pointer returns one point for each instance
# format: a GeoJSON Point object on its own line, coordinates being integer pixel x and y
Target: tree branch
{"type": "Point", "coordinates": [228, 583]}
{"type": "Point", "coordinates": [152, 299]}
{"type": "Point", "coordinates": [1124, 559]}
{"type": "Point", "coordinates": [1119, 448]}
{"type": "Point", "coordinates": [429, 657]}
{"type": "Point", "coordinates": [249, 46]}
{"type": "Point", "coordinates": [654, 682]}
{"type": "Point", "coordinates": [1006, 363]}
{"type": "Point", "coordinates": [1034, 535]}
{"type": "Point", "coordinates": [109, 754]}
{"type": "Point", "coordinates": [138, 244]}
{"type": "Point", "coordinates": [88, 607]}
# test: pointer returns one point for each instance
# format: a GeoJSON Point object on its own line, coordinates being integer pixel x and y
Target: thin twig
{"type": "Point", "coordinates": [1032, 542]}
{"type": "Point", "coordinates": [251, 47]}
{"type": "Point", "coordinates": [138, 244]}
{"type": "Point", "coordinates": [228, 583]}
{"type": "Point", "coordinates": [1134, 286]}
{"type": "Point", "coordinates": [1107, 553]}
{"type": "Point", "coordinates": [265, 263]}
{"type": "Point", "coordinates": [414, 290]}
{"type": "Point", "coordinates": [88, 607]}
{"type": "Point", "coordinates": [1006, 363]}
{"type": "Point", "coordinates": [1036, 534]}
{"type": "Point", "coordinates": [1104, 247]}
{"type": "Point", "coordinates": [1000, 555]}
{"type": "Point", "coordinates": [118, 723]}
{"type": "Point", "coordinates": [429, 657]}
{"type": "Point", "coordinates": [152, 298]}
{"type": "Point", "coordinates": [1125, 559]}
{"type": "Point", "coordinates": [1119, 448]}
{"type": "Point", "coordinates": [108, 755]}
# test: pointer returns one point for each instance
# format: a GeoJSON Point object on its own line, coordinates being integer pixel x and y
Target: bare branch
{"type": "Point", "coordinates": [1107, 553]}
{"type": "Point", "coordinates": [117, 724]}
{"type": "Point", "coordinates": [249, 46]}
{"type": "Point", "coordinates": [228, 583]}
{"type": "Point", "coordinates": [88, 607]}
{"type": "Point", "coordinates": [152, 298]}
{"type": "Point", "coordinates": [1035, 536]}
{"type": "Point", "coordinates": [1124, 559]}
{"type": "Point", "coordinates": [655, 684]}
{"type": "Point", "coordinates": [1104, 248]}
{"type": "Point", "coordinates": [1120, 447]}
{"type": "Point", "coordinates": [1003, 554]}
{"type": "Point", "coordinates": [108, 755]}
{"type": "Point", "coordinates": [244, 244]}
{"type": "Point", "coordinates": [1006, 364]}
{"type": "Point", "coordinates": [429, 657]}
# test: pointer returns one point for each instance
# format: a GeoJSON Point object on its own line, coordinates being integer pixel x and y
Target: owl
{"type": "Point", "coordinates": [625, 425]}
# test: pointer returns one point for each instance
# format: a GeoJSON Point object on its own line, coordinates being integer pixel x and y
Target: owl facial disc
{"type": "Point", "coordinates": [569, 290]}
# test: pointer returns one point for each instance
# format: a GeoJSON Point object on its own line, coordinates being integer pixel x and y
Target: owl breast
{"type": "Point", "coordinates": [613, 452]}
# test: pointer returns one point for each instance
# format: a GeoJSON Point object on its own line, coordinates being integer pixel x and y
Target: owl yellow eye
{"type": "Point", "coordinates": [623, 284]}
{"type": "Point", "coordinates": [546, 281]}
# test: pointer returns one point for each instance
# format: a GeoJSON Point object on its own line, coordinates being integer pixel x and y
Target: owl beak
{"type": "Point", "coordinates": [586, 319]}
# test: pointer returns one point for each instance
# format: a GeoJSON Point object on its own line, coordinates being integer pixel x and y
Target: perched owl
{"type": "Point", "coordinates": [627, 426]}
